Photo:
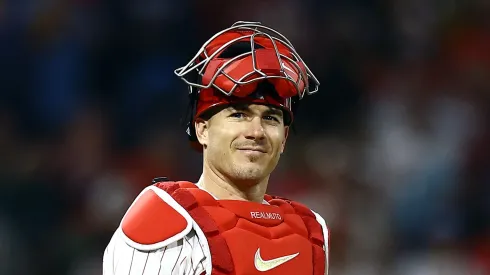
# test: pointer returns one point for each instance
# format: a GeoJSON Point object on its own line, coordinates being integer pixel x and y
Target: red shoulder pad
{"type": "Point", "coordinates": [154, 220]}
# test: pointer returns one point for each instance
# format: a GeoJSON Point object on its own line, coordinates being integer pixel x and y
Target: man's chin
{"type": "Point", "coordinates": [250, 175]}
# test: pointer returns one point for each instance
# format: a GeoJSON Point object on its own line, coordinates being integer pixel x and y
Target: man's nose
{"type": "Point", "coordinates": [255, 129]}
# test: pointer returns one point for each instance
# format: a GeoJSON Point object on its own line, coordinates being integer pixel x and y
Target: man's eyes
{"type": "Point", "coordinates": [271, 118]}
{"type": "Point", "coordinates": [243, 115]}
{"type": "Point", "coordinates": [237, 115]}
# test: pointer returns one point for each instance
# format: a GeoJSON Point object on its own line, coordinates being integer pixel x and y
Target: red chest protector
{"type": "Point", "coordinates": [249, 238]}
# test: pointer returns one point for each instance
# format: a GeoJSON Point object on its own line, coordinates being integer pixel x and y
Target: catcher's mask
{"type": "Point", "coordinates": [246, 63]}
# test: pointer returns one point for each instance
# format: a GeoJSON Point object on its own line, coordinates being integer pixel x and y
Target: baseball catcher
{"type": "Point", "coordinates": [245, 84]}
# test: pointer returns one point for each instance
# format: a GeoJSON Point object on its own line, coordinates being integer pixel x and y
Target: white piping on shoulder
{"type": "Point", "coordinates": [165, 197]}
{"type": "Point", "coordinates": [325, 238]}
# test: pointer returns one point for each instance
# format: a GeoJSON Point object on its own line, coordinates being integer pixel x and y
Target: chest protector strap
{"type": "Point", "coordinates": [315, 231]}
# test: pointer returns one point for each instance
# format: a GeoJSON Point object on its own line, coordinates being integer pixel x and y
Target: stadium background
{"type": "Point", "coordinates": [394, 150]}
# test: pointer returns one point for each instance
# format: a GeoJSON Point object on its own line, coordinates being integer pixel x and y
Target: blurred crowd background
{"type": "Point", "coordinates": [394, 150]}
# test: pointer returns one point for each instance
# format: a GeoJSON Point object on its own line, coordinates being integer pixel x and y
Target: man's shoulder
{"type": "Point", "coordinates": [154, 219]}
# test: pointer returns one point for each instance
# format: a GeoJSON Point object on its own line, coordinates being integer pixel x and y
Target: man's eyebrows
{"type": "Point", "coordinates": [273, 111]}
{"type": "Point", "coordinates": [246, 108]}
{"type": "Point", "coordinates": [239, 107]}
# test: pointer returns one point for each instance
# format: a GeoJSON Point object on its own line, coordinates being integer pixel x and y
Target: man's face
{"type": "Point", "coordinates": [243, 143]}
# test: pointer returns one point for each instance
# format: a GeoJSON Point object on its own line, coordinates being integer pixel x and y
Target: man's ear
{"type": "Point", "coordinates": [286, 133]}
{"type": "Point", "coordinates": [202, 126]}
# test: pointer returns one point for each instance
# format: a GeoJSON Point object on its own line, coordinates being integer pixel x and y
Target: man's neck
{"type": "Point", "coordinates": [224, 189]}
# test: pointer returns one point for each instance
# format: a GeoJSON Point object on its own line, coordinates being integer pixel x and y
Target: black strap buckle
{"type": "Point", "coordinates": [159, 179]}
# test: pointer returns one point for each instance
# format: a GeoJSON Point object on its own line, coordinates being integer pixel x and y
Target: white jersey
{"type": "Point", "coordinates": [183, 257]}
{"type": "Point", "coordinates": [189, 255]}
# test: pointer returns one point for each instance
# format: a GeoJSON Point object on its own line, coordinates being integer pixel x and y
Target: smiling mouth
{"type": "Point", "coordinates": [258, 150]}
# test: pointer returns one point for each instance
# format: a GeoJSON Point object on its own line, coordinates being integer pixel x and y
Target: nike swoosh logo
{"type": "Point", "coordinates": [262, 265]}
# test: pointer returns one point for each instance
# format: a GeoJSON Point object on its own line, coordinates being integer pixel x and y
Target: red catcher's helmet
{"type": "Point", "coordinates": [237, 63]}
